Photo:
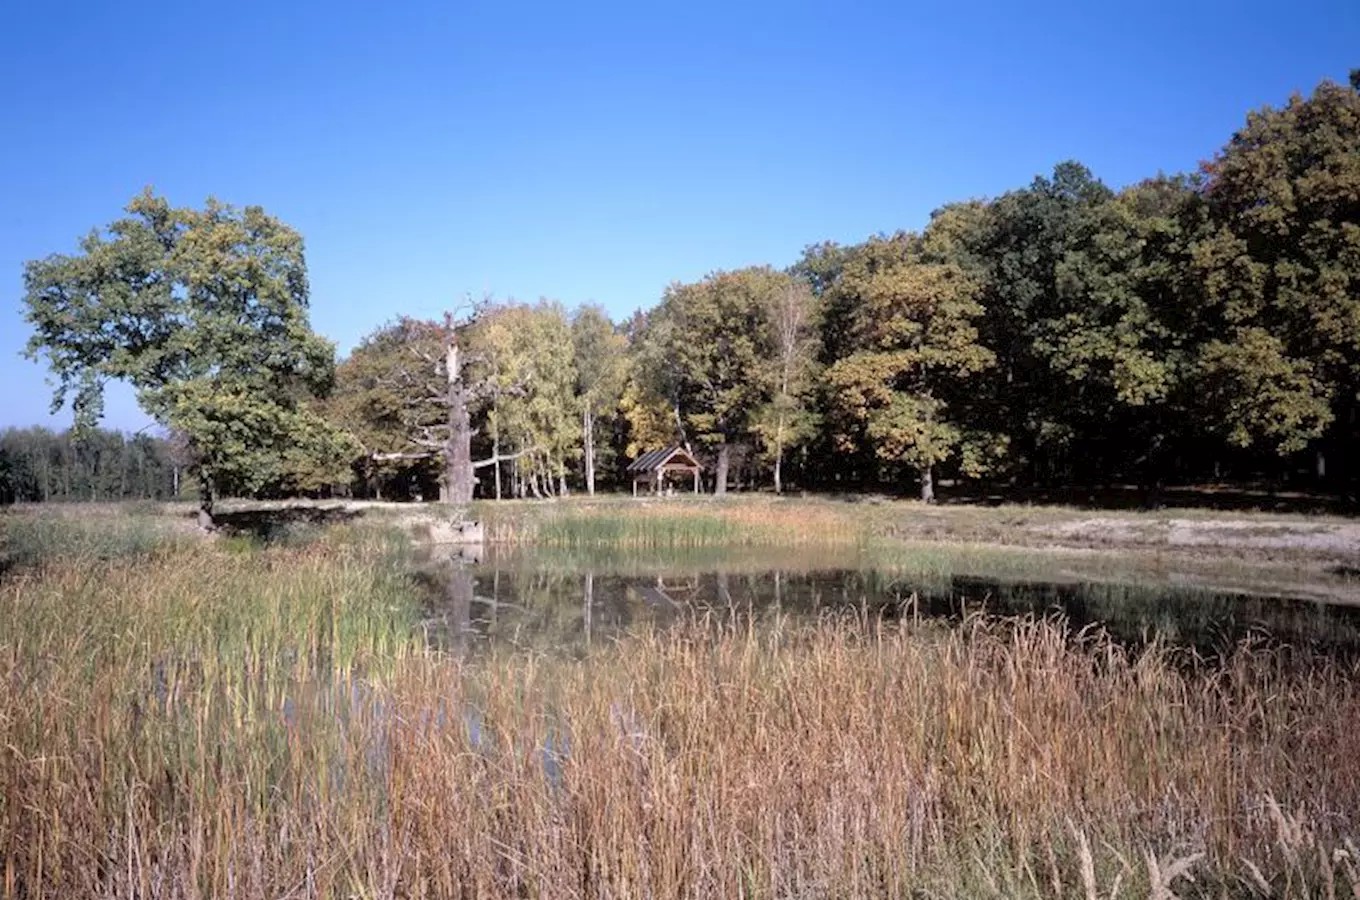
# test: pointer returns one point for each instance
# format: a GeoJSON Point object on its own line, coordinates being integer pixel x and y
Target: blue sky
{"type": "Point", "coordinates": [596, 152]}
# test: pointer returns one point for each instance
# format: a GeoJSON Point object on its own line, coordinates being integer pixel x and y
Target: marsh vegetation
{"type": "Point", "coordinates": [652, 707]}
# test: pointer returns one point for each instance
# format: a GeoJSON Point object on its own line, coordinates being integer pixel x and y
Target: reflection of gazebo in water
{"type": "Point", "coordinates": [652, 468]}
{"type": "Point", "coordinates": [663, 594]}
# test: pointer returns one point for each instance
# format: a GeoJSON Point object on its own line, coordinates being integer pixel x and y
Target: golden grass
{"type": "Point", "coordinates": [670, 524]}
{"type": "Point", "coordinates": [269, 723]}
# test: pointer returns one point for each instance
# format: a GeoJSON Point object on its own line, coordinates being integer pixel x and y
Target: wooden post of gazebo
{"type": "Point", "coordinates": [651, 468]}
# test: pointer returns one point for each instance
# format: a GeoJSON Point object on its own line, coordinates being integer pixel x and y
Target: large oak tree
{"type": "Point", "coordinates": [917, 341]}
{"type": "Point", "coordinates": [1281, 271]}
{"type": "Point", "coordinates": [204, 312]}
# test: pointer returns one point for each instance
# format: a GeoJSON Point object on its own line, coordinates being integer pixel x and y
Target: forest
{"type": "Point", "coordinates": [1201, 327]}
{"type": "Point", "coordinates": [39, 465]}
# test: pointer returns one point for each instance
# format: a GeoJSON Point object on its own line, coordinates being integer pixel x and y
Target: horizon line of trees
{"type": "Point", "coordinates": [39, 465]}
{"type": "Point", "coordinates": [1203, 326]}
{"type": "Point", "coordinates": [1191, 327]}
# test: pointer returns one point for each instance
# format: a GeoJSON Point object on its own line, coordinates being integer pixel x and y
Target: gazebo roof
{"type": "Point", "coordinates": [656, 459]}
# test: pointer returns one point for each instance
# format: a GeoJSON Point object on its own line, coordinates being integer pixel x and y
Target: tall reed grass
{"type": "Point", "coordinates": [270, 723]}
{"type": "Point", "coordinates": [34, 537]}
{"type": "Point", "coordinates": [668, 525]}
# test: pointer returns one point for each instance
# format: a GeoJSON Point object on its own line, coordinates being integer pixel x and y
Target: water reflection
{"type": "Point", "coordinates": [451, 587]}
{"type": "Point", "coordinates": [524, 600]}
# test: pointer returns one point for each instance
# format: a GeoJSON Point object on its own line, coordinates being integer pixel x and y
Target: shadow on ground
{"type": "Point", "coordinates": [1120, 497]}
{"type": "Point", "coordinates": [278, 523]}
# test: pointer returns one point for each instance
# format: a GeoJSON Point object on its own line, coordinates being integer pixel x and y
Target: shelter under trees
{"type": "Point", "coordinates": [653, 468]}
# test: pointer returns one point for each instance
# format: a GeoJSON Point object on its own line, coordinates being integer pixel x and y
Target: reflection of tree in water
{"type": "Point", "coordinates": [588, 604]}
{"type": "Point", "coordinates": [572, 610]}
{"type": "Point", "coordinates": [454, 618]}
{"type": "Point", "coordinates": [563, 610]}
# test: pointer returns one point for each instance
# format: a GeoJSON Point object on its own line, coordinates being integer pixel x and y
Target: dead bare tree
{"type": "Point", "coordinates": [442, 378]}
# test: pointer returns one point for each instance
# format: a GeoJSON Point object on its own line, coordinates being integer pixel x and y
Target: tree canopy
{"type": "Point", "coordinates": [916, 342]}
{"type": "Point", "coordinates": [204, 312]}
{"type": "Point", "coordinates": [1198, 326]}
{"type": "Point", "coordinates": [1280, 269]}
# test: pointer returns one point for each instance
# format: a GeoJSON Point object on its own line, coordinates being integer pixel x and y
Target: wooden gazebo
{"type": "Point", "coordinates": [652, 468]}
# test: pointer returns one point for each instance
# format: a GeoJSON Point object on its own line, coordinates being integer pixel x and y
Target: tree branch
{"type": "Point", "coordinates": [503, 458]}
{"type": "Point", "coordinates": [388, 457]}
{"type": "Point", "coordinates": [422, 355]}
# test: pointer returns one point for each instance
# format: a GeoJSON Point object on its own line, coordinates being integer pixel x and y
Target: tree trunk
{"type": "Point", "coordinates": [928, 484]}
{"type": "Point", "coordinates": [720, 476]}
{"type": "Point", "coordinates": [779, 455]}
{"type": "Point", "coordinates": [588, 435]}
{"type": "Point", "coordinates": [459, 479]}
{"type": "Point", "coordinates": [207, 499]}
{"type": "Point", "coordinates": [496, 455]}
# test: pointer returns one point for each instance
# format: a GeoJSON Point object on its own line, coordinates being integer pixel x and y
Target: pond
{"type": "Point", "coordinates": [569, 601]}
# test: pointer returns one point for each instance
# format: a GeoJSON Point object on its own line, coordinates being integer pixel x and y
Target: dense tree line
{"type": "Point", "coordinates": [39, 465]}
{"type": "Point", "coordinates": [1191, 327]}
{"type": "Point", "coordinates": [1203, 326]}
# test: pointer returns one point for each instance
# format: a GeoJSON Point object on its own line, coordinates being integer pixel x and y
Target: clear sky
{"type": "Point", "coordinates": [595, 152]}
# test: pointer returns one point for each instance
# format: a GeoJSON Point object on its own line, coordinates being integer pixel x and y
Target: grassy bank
{"type": "Point", "coordinates": [624, 523]}
{"type": "Point", "coordinates": [1250, 537]}
{"type": "Point", "coordinates": [232, 719]}
{"type": "Point", "coordinates": [86, 533]}
{"type": "Point", "coordinates": [1264, 556]}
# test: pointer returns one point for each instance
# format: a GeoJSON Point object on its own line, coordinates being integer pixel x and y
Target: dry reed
{"type": "Point", "coordinates": [270, 724]}
{"type": "Point", "coordinates": [669, 524]}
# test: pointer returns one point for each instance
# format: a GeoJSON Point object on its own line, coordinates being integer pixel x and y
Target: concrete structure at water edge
{"type": "Point", "coordinates": [457, 533]}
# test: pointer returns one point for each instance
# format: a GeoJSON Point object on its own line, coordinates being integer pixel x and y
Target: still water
{"type": "Point", "coordinates": [570, 602]}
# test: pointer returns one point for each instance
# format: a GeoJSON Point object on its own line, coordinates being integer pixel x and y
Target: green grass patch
{"type": "Point", "coordinates": [30, 539]}
{"type": "Point", "coordinates": [659, 531]}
